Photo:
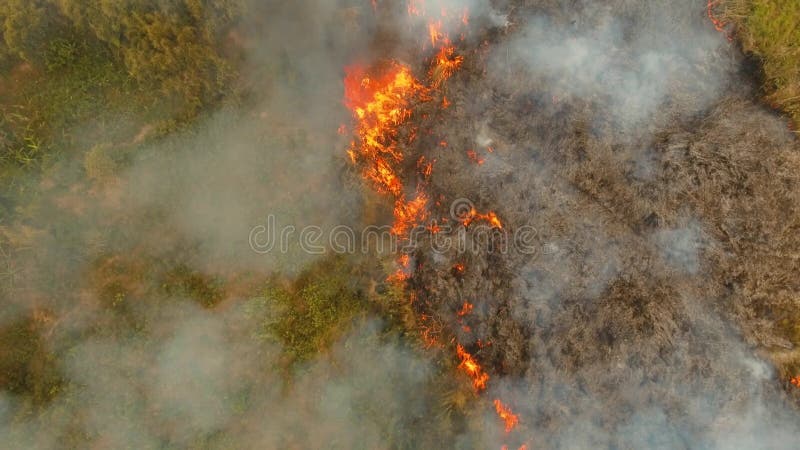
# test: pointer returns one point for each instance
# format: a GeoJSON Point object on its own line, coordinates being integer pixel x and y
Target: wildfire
{"type": "Point", "coordinates": [380, 106]}
{"type": "Point", "coordinates": [445, 65]}
{"type": "Point", "coordinates": [382, 100]}
{"type": "Point", "coordinates": [472, 368]}
{"type": "Point", "coordinates": [465, 309]}
{"type": "Point", "coordinates": [719, 24]}
{"type": "Point", "coordinates": [796, 381]}
{"type": "Point", "coordinates": [489, 217]}
{"type": "Point", "coordinates": [509, 418]}
{"type": "Point", "coordinates": [407, 214]}
{"type": "Point", "coordinates": [473, 156]}
{"type": "Point", "coordinates": [424, 166]}
{"type": "Point", "coordinates": [435, 32]}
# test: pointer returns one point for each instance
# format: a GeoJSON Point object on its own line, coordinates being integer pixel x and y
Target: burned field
{"type": "Point", "coordinates": [503, 224]}
{"type": "Point", "coordinates": [661, 193]}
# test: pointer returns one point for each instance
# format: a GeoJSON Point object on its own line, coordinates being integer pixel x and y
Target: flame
{"type": "Point", "coordinates": [473, 156]}
{"type": "Point", "coordinates": [380, 106]}
{"type": "Point", "coordinates": [719, 24]}
{"type": "Point", "coordinates": [509, 418]}
{"type": "Point", "coordinates": [796, 381]}
{"type": "Point", "coordinates": [490, 217]}
{"type": "Point", "coordinates": [435, 32]}
{"type": "Point", "coordinates": [425, 167]}
{"type": "Point", "coordinates": [381, 101]}
{"type": "Point", "coordinates": [465, 309]}
{"type": "Point", "coordinates": [446, 63]}
{"type": "Point", "coordinates": [407, 214]}
{"type": "Point", "coordinates": [472, 368]}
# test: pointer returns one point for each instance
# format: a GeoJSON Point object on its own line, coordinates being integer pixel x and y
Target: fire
{"type": "Point", "coordinates": [489, 217]}
{"type": "Point", "coordinates": [380, 106]}
{"type": "Point", "coordinates": [445, 65]}
{"type": "Point", "coordinates": [796, 381]}
{"type": "Point", "coordinates": [465, 309]}
{"type": "Point", "coordinates": [473, 156]}
{"type": "Point", "coordinates": [382, 101]}
{"type": "Point", "coordinates": [509, 418]}
{"type": "Point", "coordinates": [435, 32]}
{"type": "Point", "coordinates": [472, 368]}
{"type": "Point", "coordinates": [425, 167]}
{"type": "Point", "coordinates": [407, 214]}
{"type": "Point", "coordinates": [719, 24]}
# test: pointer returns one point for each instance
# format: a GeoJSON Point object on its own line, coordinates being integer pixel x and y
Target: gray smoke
{"type": "Point", "coordinates": [624, 132]}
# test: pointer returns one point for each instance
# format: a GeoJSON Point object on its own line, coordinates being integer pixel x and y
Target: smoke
{"type": "Point", "coordinates": [623, 132]}
{"type": "Point", "coordinates": [197, 377]}
{"type": "Point", "coordinates": [620, 331]}
{"type": "Point", "coordinates": [628, 60]}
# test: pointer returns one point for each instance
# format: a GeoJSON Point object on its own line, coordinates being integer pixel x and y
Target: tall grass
{"type": "Point", "coordinates": [770, 29]}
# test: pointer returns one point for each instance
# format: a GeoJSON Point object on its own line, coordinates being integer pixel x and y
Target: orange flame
{"type": "Point", "coordinates": [796, 381]}
{"type": "Point", "coordinates": [465, 309]}
{"type": "Point", "coordinates": [719, 24]}
{"type": "Point", "coordinates": [472, 368]}
{"type": "Point", "coordinates": [435, 32]}
{"type": "Point", "coordinates": [490, 217]}
{"type": "Point", "coordinates": [509, 418]}
{"type": "Point", "coordinates": [380, 106]}
{"type": "Point", "coordinates": [445, 65]}
{"type": "Point", "coordinates": [425, 167]}
{"type": "Point", "coordinates": [408, 214]}
{"type": "Point", "coordinates": [473, 156]}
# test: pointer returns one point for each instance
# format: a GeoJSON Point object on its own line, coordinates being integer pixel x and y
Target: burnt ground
{"type": "Point", "coordinates": [658, 306]}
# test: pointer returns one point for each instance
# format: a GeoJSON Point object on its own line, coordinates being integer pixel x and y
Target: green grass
{"type": "Point", "coordinates": [770, 29]}
{"type": "Point", "coordinates": [314, 310]}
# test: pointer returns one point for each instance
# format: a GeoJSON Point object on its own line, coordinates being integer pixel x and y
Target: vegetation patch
{"type": "Point", "coordinates": [770, 29]}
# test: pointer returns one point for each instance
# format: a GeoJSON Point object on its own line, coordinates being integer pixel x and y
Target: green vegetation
{"type": "Point", "coordinates": [770, 29]}
{"type": "Point", "coordinates": [315, 310]}
{"type": "Point", "coordinates": [308, 314]}
{"type": "Point", "coordinates": [76, 73]}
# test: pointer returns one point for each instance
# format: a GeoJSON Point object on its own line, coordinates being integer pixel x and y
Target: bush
{"type": "Point", "coordinates": [306, 316]}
